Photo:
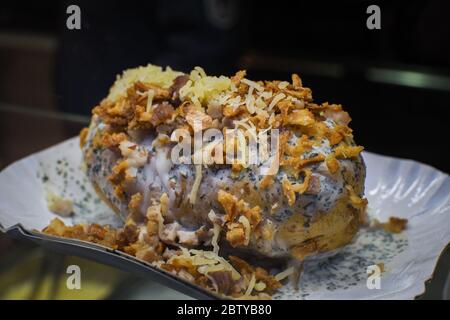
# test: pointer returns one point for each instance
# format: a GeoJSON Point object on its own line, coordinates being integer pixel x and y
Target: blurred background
{"type": "Point", "coordinates": [395, 83]}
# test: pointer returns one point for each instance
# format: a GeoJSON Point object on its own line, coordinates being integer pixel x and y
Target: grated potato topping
{"type": "Point", "coordinates": [202, 89]}
{"type": "Point", "coordinates": [148, 74]}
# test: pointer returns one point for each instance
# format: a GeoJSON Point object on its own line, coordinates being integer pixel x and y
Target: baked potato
{"type": "Point", "coordinates": [310, 205]}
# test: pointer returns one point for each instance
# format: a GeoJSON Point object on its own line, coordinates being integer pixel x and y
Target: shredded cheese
{"type": "Point", "coordinates": [215, 238]}
{"type": "Point", "coordinates": [253, 84]}
{"type": "Point", "coordinates": [146, 74]}
{"type": "Point", "coordinates": [283, 85]}
{"type": "Point", "coordinates": [251, 285]}
{"type": "Point", "coordinates": [150, 95]}
{"type": "Point", "coordinates": [260, 286]}
{"type": "Point", "coordinates": [284, 274]}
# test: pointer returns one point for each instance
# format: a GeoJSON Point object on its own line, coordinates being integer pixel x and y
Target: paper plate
{"type": "Point", "coordinates": [394, 187]}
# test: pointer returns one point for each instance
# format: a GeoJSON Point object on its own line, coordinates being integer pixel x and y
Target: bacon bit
{"type": "Point", "coordinates": [266, 231]}
{"type": "Point", "coordinates": [161, 141]}
{"type": "Point", "coordinates": [146, 253]}
{"type": "Point", "coordinates": [275, 100]}
{"type": "Point", "coordinates": [254, 216]}
{"type": "Point", "coordinates": [314, 185]}
{"type": "Point", "coordinates": [284, 106]}
{"type": "Point", "coordinates": [332, 163]}
{"type": "Point", "coordinates": [152, 227]}
{"type": "Point", "coordinates": [178, 83]}
{"type": "Point", "coordinates": [236, 169]}
{"type": "Point", "coordinates": [334, 137]}
{"type": "Point", "coordinates": [343, 130]}
{"type": "Point", "coordinates": [117, 114]}
{"type": "Point", "coordinates": [333, 107]}
{"type": "Point", "coordinates": [196, 184]}
{"type": "Point", "coordinates": [306, 248]}
{"type": "Point", "coordinates": [229, 111]}
{"type": "Point", "coordinates": [95, 233]}
{"type": "Point", "coordinates": [316, 107]}
{"type": "Point", "coordinates": [234, 209]}
{"type": "Point", "coordinates": [355, 200]}
{"type": "Point", "coordinates": [223, 280]}
{"type": "Point", "coordinates": [57, 228]}
{"type": "Point", "coordinates": [197, 117]}
{"type": "Point", "coordinates": [276, 104]}
{"type": "Point", "coordinates": [344, 152]}
{"type": "Point", "coordinates": [302, 93]}
{"type": "Point", "coordinates": [394, 225]}
{"type": "Point", "coordinates": [319, 130]}
{"type": "Point", "coordinates": [159, 93]}
{"type": "Point", "coordinates": [236, 79]}
{"type": "Point", "coordinates": [108, 140]}
{"type": "Point", "coordinates": [128, 234]}
{"type": "Point", "coordinates": [161, 114]}
{"type": "Point", "coordinates": [155, 221]}
{"type": "Point", "coordinates": [285, 273]}
{"type": "Point", "coordinates": [164, 201]}
{"type": "Point", "coordinates": [296, 81]}
{"type": "Point", "coordinates": [283, 143]}
{"type": "Point", "coordinates": [242, 266]}
{"type": "Point", "coordinates": [260, 274]}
